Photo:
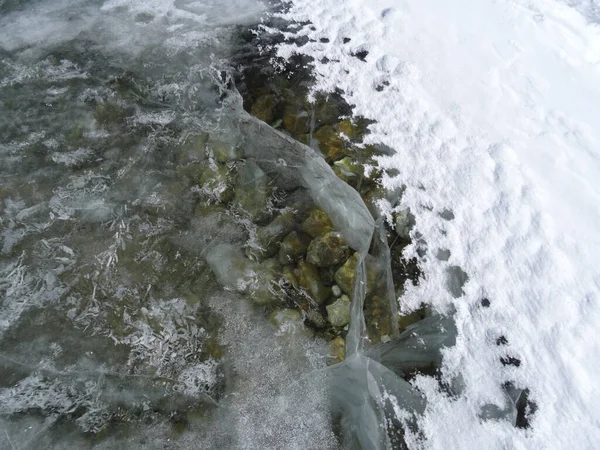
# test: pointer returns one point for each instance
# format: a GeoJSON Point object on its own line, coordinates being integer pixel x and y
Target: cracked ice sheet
{"type": "Point", "coordinates": [492, 109]}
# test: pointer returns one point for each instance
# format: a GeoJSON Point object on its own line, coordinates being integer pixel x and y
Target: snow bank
{"type": "Point", "coordinates": [491, 107]}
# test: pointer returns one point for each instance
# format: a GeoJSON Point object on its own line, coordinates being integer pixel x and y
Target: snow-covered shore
{"type": "Point", "coordinates": [492, 108]}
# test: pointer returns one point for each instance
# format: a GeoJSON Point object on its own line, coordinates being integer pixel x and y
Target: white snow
{"type": "Point", "coordinates": [492, 107]}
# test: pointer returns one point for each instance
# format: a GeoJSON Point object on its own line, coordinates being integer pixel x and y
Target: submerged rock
{"type": "Point", "coordinates": [331, 144]}
{"type": "Point", "coordinates": [288, 320]}
{"type": "Point", "coordinates": [192, 148]}
{"type": "Point", "coordinates": [252, 190]}
{"type": "Point", "coordinates": [348, 169]}
{"type": "Point", "coordinates": [344, 277]}
{"type": "Point", "coordinates": [338, 350]}
{"type": "Point", "coordinates": [263, 108]}
{"type": "Point", "coordinates": [327, 250]}
{"type": "Point", "coordinates": [352, 131]}
{"type": "Point", "coordinates": [234, 271]}
{"type": "Point", "coordinates": [224, 151]}
{"type": "Point", "coordinates": [315, 318]}
{"type": "Point", "coordinates": [268, 238]}
{"type": "Point", "coordinates": [338, 312]}
{"type": "Point", "coordinates": [326, 111]}
{"type": "Point", "coordinates": [317, 223]}
{"type": "Point", "coordinates": [296, 120]}
{"type": "Point", "coordinates": [216, 183]}
{"type": "Point", "coordinates": [293, 247]}
{"type": "Point", "coordinates": [308, 278]}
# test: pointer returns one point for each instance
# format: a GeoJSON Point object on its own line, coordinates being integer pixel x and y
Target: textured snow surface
{"type": "Point", "coordinates": [492, 108]}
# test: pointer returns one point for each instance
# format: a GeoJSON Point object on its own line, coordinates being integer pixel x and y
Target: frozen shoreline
{"type": "Point", "coordinates": [491, 110]}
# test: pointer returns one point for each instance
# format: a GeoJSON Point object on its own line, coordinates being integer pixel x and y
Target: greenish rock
{"type": "Point", "coordinates": [347, 169]}
{"type": "Point", "coordinates": [224, 151]}
{"type": "Point", "coordinates": [338, 312]}
{"type": "Point", "coordinates": [338, 350]}
{"type": "Point", "coordinates": [296, 120]}
{"type": "Point", "coordinates": [268, 238]}
{"type": "Point", "coordinates": [327, 250]}
{"type": "Point", "coordinates": [330, 143]}
{"type": "Point", "coordinates": [353, 131]}
{"type": "Point", "coordinates": [252, 190]}
{"type": "Point", "coordinates": [317, 223]}
{"type": "Point", "coordinates": [263, 108]}
{"type": "Point", "coordinates": [216, 183]}
{"type": "Point", "coordinates": [308, 279]}
{"type": "Point", "coordinates": [378, 318]}
{"type": "Point", "coordinates": [344, 277]}
{"type": "Point", "coordinates": [293, 247]}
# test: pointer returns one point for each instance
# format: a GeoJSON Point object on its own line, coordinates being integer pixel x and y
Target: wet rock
{"type": "Point", "coordinates": [335, 289]}
{"type": "Point", "coordinates": [252, 191]}
{"type": "Point", "coordinates": [338, 312]}
{"type": "Point", "coordinates": [268, 238]}
{"type": "Point", "coordinates": [223, 151]}
{"type": "Point", "coordinates": [317, 223]}
{"type": "Point", "coordinates": [263, 108]}
{"type": "Point", "coordinates": [327, 250]}
{"type": "Point", "coordinates": [296, 120]}
{"type": "Point", "coordinates": [308, 278]}
{"type": "Point", "coordinates": [216, 183]}
{"type": "Point", "coordinates": [338, 350]}
{"type": "Point", "coordinates": [293, 247]}
{"type": "Point", "coordinates": [330, 143]}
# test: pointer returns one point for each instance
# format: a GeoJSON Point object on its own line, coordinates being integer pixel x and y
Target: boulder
{"type": "Point", "coordinates": [338, 313]}
{"type": "Point", "coordinates": [293, 247]}
{"type": "Point", "coordinates": [327, 250]}
{"type": "Point", "coordinates": [308, 278]}
{"type": "Point", "coordinates": [317, 223]}
{"type": "Point", "coordinates": [263, 108]}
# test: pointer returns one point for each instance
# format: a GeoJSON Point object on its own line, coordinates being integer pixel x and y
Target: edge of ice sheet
{"type": "Point", "coordinates": [491, 108]}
